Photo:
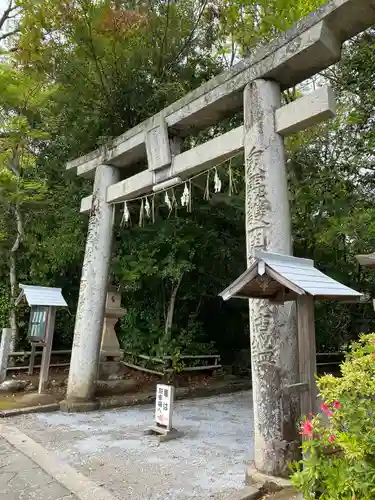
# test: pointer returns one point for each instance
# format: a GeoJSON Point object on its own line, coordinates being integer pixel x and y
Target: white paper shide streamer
{"type": "Point", "coordinates": [217, 182]}
{"type": "Point", "coordinates": [167, 201]}
{"type": "Point", "coordinates": [126, 215]}
{"type": "Point", "coordinates": [213, 184]}
{"type": "Point", "coordinates": [206, 195]}
{"type": "Point", "coordinates": [142, 213]}
{"type": "Point", "coordinates": [185, 198]}
{"type": "Point", "coordinates": [147, 208]}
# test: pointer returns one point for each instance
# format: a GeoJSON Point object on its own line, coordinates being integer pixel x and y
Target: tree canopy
{"type": "Point", "coordinates": [76, 73]}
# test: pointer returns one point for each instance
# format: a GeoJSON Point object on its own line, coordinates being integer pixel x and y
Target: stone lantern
{"type": "Point", "coordinates": [110, 347]}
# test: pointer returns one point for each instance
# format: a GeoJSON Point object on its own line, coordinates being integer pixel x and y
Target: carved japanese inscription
{"type": "Point", "coordinates": [257, 203]}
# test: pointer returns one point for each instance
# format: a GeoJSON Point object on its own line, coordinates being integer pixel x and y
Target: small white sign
{"type": "Point", "coordinates": [164, 405]}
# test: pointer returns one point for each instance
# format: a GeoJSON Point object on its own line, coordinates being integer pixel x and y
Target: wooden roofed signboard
{"type": "Point", "coordinates": [43, 302]}
{"type": "Point", "coordinates": [41, 296]}
{"type": "Point", "coordinates": [366, 260]}
{"type": "Point", "coordinates": [280, 278]}
{"type": "Point", "coordinates": [283, 277]}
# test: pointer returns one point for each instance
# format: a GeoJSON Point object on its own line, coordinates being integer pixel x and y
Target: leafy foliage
{"type": "Point", "coordinates": [339, 461]}
{"type": "Point", "coordinates": [22, 102]}
{"type": "Point", "coordinates": [23, 99]}
{"type": "Point", "coordinates": [331, 179]}
{"type": "Point", "coordinates": [245, 25]}
{"type": "Point", "coordinates": [115, 52]}
{"type": "Point", "coordinates": [151, 260]}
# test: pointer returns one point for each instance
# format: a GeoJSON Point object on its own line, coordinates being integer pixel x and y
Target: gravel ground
{"type": "Point", "coordinates": [110, 448]}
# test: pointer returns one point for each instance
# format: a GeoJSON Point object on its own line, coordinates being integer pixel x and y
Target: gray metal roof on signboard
{"type": "Point", "coordinates": [42, 296]}
{"type": "Point", "coordinates": [298, 275]}
{"type": "Point", "coordinates": [366, 260]}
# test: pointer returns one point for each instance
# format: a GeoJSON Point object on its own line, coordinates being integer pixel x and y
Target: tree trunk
{"type": "Point", "coordinates": [171, 307]}
{"type": "Point", "coordinates": [13, 277]}
{"type": "Point", "coordinates": [168, 327]}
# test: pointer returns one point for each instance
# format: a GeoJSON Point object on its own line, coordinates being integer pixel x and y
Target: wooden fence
{"type": "Point", "coordinates": [187, 363]}
{"type": "Point", "coordinates": [325, 360]}
{"type": "Point", "coordinates": [210, 362]}
{"type": "Point", "coordinates": [31, 355]}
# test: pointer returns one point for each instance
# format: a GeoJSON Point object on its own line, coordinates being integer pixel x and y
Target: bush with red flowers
{"type": "Point", "coordinates": [339, 442]}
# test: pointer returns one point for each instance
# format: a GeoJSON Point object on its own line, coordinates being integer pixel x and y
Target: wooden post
{"type": "Point", "coordinates": [32, 359]}
{"type": "Point", "coordinates": [6, 340]}
{"type": "Point", "coordinates": [307, 353]}
{"type": "Point", "coordinates": [47, 349]}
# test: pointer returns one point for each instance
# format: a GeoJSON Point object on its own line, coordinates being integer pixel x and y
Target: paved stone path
{"type": "Point", "coordinates": [28, 471]}
{"type": "Point", "coordinates": [23, 479]}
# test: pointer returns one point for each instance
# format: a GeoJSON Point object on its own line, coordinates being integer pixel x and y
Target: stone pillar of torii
{"type": "Point", "coordinates": [255, 84]}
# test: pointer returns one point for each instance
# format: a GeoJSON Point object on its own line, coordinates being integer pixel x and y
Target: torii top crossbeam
{"type": "Point", "coordinates": [309, 47]}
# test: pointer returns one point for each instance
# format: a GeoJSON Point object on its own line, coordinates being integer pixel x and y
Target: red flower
{"type": "Point", "coordinates": [331, 438]}
{"type": "Point", "coordinates": [307, 429]}
{"type": "Point", "coordinates": [326, 410]}
{"type": "Point", "coordinates": [337, 405]}
{"type": "Point", "coordinates": [373, 341]}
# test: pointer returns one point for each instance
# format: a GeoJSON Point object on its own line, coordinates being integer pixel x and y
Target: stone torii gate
{"type": "Point", "coordinates": [254, 85]}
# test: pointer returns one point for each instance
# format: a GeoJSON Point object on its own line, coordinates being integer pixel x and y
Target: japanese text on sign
{"type": "Point", "coordinates": [164, 404]}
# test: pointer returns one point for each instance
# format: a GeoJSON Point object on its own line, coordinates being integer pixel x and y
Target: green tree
{"type": "Point", "coordinates": [169, 273]}
{"type": "Point", "coordinates": [128, 60]}
{"type": "Point", "coordinates": [114, 54]}
{"type": "Point", "coordinates": [332, 183]}
{"type": "Point", "coordinates": [244, 24]}
{"type": "Point", "coordinates": [23, 100]}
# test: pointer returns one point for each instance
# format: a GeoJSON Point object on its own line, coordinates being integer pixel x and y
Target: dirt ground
{"type": "Point", "coordinates": [283, 495]}
{"type": "Point", "coordinates": [30, 396]}
{"type": "Point", "coordinates": [10, 401]}
{"type": "Point", "coordinates": [58, 379]}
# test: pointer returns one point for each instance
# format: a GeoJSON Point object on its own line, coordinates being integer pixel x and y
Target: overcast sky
{"type": "Point", "coordinates": [3, 4]}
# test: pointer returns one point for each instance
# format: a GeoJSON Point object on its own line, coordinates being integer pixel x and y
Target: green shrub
{"type": "Point", "coordinates": [339, 442]}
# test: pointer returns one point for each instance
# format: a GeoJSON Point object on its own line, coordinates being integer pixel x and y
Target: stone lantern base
{"type": "Point", "coordinates": [110, 347]}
